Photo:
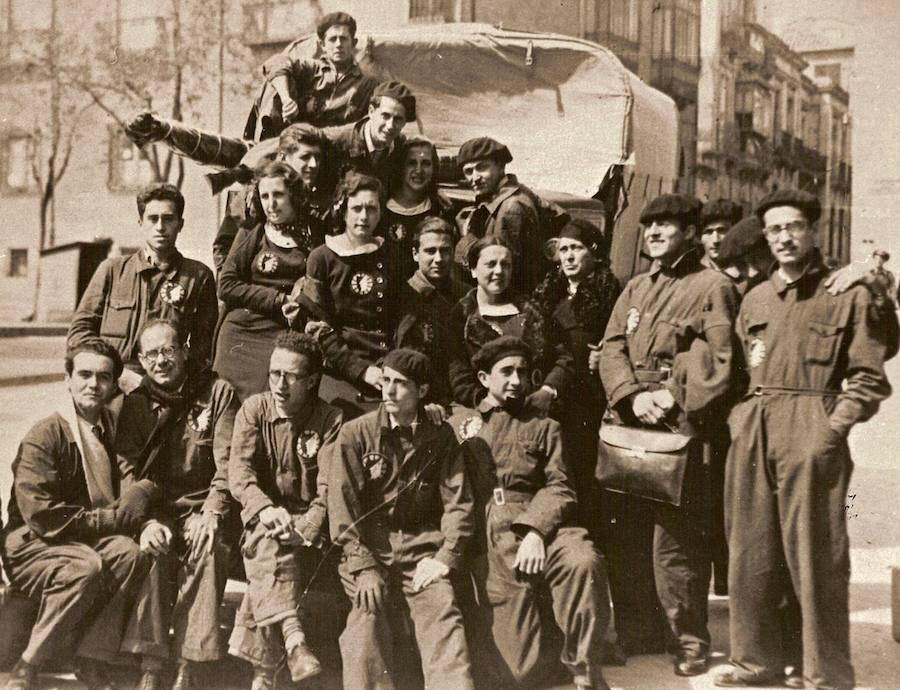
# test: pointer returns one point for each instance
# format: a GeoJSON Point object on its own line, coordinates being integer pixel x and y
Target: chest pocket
{"type": "Point", "coordinates": [119, 308]}
{"type": "Point", "coordinates": [822, 342]}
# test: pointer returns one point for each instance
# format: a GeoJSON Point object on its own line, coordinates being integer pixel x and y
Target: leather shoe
{"type": "Point", "coordinates": [691, 664]}
{"type": "Point", "coordinates": [302, 663]}
{"type": "Point", "coordinates": [794, 680]}
{"type": "Point", "coordinates": [184, 677]}
{"type": "Point", "coordinates": [22, 677]}
{"type": "Point", "coordinates": [263, 679]}
{"type": "Point", "coordinates": [736, 678]}
{"type": "Point", "coordinates": [150, 680]}
{"type": "Point", "coordinates": [613, 654]}
{"type": "Point", "coordinates": [93, 673]}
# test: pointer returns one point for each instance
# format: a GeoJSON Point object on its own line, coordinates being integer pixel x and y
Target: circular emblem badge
{"type": "Point", "coordinates": [199, 419]}
{"type": "Point", "coordinates": [398, 232]}
{"type": "Point", "coordinates": [267, 263]}
{"type": "Point", "coordinates": [308, 444]}
{"type": "Point", "coordinates": [172, 293]}
{"type": "Point", "coordinates": [375, 464]}
{"type": "Point", "coordinates": [362, 283]}
{"type": "Point", "coordinates": [632, 320]}
{"type": "Point", "coordinates": [757, 353]}
{"type": "Point", "coordinates": [427, 330]}
{"type": "Point", "coordinates": [470, 427]}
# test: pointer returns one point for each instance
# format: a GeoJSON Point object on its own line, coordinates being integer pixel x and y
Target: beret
{"type": "Point", "coordinates": [804, 201]}
{"type": "Point", "coordinates": [411, 363]}
{"type": "Point", "coordinates": [480, 148]}
{"type": "Point", "coordinates": [675, 206]}
{"type": "Point", "coordinates": [882, 253]}
{"type": "Point", "coordinates": [722, 210]}
{"type": "Point", "coordinates": [495, 350]}
{"type": "Point", "coordinates": [399, 92]}
{"type": "Point", "coordinates": [585, 232]}
{"type": "Point", "coordinates": [741, 239]}
{"type": "Point", "coordinates": [335, 19]}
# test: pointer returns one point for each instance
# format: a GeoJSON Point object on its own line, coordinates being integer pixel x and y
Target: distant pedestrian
{"type": "Point", "coordinates": [883, 276]}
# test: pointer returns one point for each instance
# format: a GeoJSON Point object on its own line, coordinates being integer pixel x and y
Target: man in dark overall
{"type": "Point", "coordinates": [529, 550]}
{"type": "Point", "coordinates": [175, 429]}
{"type": "Point", "coordinates": [72, 514]}
{"type": "Point", "coordinates": [401, 508]}
{"type": "Point", "coordinates": [666, 362]}
{"type": "Point", "coordinates": [426, 301]}
{"type": "Point", "coordinates": [278, 473]}
{"type": "Point", "coordinates": [814, 362]}
{"type": "Point", "coordinates": [155, 281]}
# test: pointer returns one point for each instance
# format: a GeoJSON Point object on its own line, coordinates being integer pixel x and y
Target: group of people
{"type": "Point", "coordinates": [399, 406]}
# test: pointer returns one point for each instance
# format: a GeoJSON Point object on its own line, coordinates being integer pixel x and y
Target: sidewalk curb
{"type": "Point", "coordinates": [31, 379]}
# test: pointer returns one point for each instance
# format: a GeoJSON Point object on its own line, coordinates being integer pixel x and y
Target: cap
{"type": "Point", "coordinates": [804, 201]}
{"type": "Point", "coordinates": [585, 232]}
{"type": "Point", "coordinates": [399, 92]}
{"type": "Point", "coordinates": [721, 210]}
{"type": "Point", "coordinates": [480, 148]}
{"type": "Point", "coordinates": [883, 254]}
{"type": "Point", "coordinates": [335, 19]}
{"type": "Point", "coordinates": [673, 206]}
{"type": "Point", "coordinates": [495, 350]}
{"type": "Point", "coordinates": [741, 239]}
{"type": "Point", "coordinates": [412, 364]}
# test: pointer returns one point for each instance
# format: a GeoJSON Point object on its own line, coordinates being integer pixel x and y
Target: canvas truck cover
{"type": "Point", "coordinates": [566, 108]}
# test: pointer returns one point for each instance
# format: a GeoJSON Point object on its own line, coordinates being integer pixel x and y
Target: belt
{"type": "Point", "coordinates": [786, 390]}
{"type": "Point", "coordinates": [652, 375]}
{"type": "Point", "coordinates": [503, 496]}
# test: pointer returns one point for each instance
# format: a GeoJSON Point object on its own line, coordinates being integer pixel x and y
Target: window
{"type": "Point", "coordinates": [687, 32]}
{"type": "Point", "coordinates": [618, 17]}
{"type": "Point", "coordinates": [273, 20]}
{"type": "Point", "coordinates": [140, 25]}
{"type": "Point", "coordinates": [128, 169]}
{"type": "Point", "coordinates": [29, 22]}
{"type": "Point", "coordinates": [18, 263]}
{"type": "Point", "coordinates": [789, 112]}
{"type": "Point", "coordinates": [18, 154]}
{"type": "Point", "coordinates": [431, 11]}
{"type": "Point", "coordinates": [661, 31]}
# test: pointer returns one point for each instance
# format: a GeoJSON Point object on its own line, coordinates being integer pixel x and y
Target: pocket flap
{"type": "Point", "coordinates": [646, 440]}
{"type": "Point", "coordinates": [825, 329]}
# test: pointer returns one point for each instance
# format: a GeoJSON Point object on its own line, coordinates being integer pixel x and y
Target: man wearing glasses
{"type": "Point", "coordinates": [175, 430]}
{"type": "Point", "coordinates": [815, 365]}
{"type": "Point", "coordinates": [276, 473]}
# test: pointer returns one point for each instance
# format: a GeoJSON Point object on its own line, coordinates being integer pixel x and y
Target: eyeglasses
{"type": "Point", "coordinates": [290, 377]}
{"type": "Point", "coordinates": [167, 352]}
{"type": "Point", "coordinates": [794, 229]}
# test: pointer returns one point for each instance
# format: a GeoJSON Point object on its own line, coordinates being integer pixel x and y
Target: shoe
{"type": "Point", "coordinates": [150, 680]}
{"type": "Point", "coordinates": [184, 677]}
{"type": "Point", "coordinates": [302, 663]}
{"type": "Point", "coordinates": [691, 663]}
{"type": "Point", "coordinates": [93, 673]}
{"type": "Point", "coordinates": [736, 678]}
{"type": "Point", "coordinates": [263, 679]}
{"type": "Point", "coordinates": [613, 654]}
{"type": "Point", "coordinates": [22, 677]}
{"type": "Point", "coordinates": [794, 679]}
{"type": "Point", "coordinates": [582, 683]}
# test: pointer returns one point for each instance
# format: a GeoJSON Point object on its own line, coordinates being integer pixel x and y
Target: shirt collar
{"type": "Point", "coordinates": [488, 404]}
{"type": "Point", "coordinates": [496, 310]}
{"type": "Point", "coordinates": [146, 261]}
{"type": "Point", "coordinates": [813, 268]}
{"type": "Point", "coordinates": [419, 209]}
{"type": "Point", "coordinates": [370, 144]}
{"type": "Point", "coordinates": [273, 414]}
{"type": "Point", "coordinates": [681, 265]}
{"type": "Point", "coordinates": [392, 421]}
{"type": "Point", "coordinates": [421, 284]}
{"type": "Point", "coordinates": [340, 246]}
{"type": "Point", "coordinates": [508, 186]}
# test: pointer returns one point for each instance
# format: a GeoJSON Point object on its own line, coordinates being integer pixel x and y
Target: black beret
{"type": "Point", "coordinates": [741, 239]}
{"type": "Point", "coordinates": [412, 364]}
{"type": "Point", "coordinates": [335, 19]}
{"type": "Point", "coordinates": [399, 92]}
{"type": "Point", "coordinates": [585, 232]}
{"type": "Point", "coordinates": [804, 201]}
{"type": "Point", "coordinates": [480, 148]}
{"type": "Point", "coordinates": [495, 350]}
{"type": "Point", "coordinates": [882, 253]}
{"type": "Point", "coordinates": [721, 210]}
{"type": "Point", "coordinates": [672, 206]}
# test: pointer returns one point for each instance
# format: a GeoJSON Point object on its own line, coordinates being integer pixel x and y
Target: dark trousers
{"type": "Point", "coordinates": [86, 590]}
{"type": "Point", "coordinates": [183, 596]}
{"type": "Point", "coordinates": [790, 556]}
{"type": "Point", "coordinates": [716, 453]}
{"type": "Point", "coordinates": [575, 581]}
{"type": "Point", "coordinates": [368, 641]}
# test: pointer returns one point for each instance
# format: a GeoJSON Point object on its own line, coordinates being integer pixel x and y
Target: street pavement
{"type": "Point", "coordinates": [872, 506]}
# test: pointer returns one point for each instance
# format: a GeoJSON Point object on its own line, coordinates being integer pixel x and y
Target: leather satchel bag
{"type": "Point", "coordinates": [648, 463]}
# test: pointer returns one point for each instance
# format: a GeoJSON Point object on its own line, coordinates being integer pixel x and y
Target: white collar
{"type": "Point", "coordinates": [278, 238]}
{"type": "Point", "coordinates": [394, 423]}
{"type": "Point", "coordinates": [395, 206]}
{"type": "Point", "coordinates": [340, 245]}
{"type": "Point", "coordinates": [486, 309]}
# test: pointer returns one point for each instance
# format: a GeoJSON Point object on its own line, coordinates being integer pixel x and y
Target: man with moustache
{"type": "Point", "coordinates": [426, 301]}
{"type": "Point", "coordinates": [175, 429]}
{"type": "Point", "coordinates": [814, 361]}
{"type": "Point", "coordinates": [72, 513]}
{"type": "Point", "coordinates": [666, 363]}
{"type": "Point", "coordinates": [155, 281]}
{"type": "Point", "coordinates": [278, 474]}
{"type": "Point", "coordinates": [527, 546]}
{"type": "Point", "coordinates": [401, 509]}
